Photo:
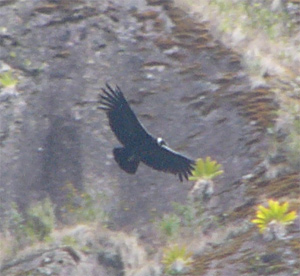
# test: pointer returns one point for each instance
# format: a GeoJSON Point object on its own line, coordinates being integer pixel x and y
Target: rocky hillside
{"type": "Point", "coordinates": [66, 207]}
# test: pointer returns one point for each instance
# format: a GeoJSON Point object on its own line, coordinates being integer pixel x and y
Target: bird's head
{"type": "Point", "coordinates": [161, 142]}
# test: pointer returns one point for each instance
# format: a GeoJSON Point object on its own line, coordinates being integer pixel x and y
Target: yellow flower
{"type": "Point", "coordinates": [205, 169]}
{"type": "Point", "coordinates": [177, 260]}
{"type": "Point", "coordinates": [276, 213]}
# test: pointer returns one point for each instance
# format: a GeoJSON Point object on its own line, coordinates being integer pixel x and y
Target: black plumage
{"type": "Point", "coordinates": [138, 144]}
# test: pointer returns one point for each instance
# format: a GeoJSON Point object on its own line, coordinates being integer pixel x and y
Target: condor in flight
{"type": "Point", "coordinates": [138, 144]}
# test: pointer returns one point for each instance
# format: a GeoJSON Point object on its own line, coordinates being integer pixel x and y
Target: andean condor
{"type": "Point", "coordinates": [138, 144]}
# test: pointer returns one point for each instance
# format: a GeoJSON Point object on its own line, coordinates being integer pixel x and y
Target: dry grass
{"type": "Point", "coordinates": [264, 52]}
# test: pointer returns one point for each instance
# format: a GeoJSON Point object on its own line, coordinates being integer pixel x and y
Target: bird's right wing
{"type": "Point", "coordinates": [122, 119]}
{"type": "Point", "coordinates": [163, 158]}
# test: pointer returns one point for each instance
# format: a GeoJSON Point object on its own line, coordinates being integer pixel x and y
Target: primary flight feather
{"type": "Point", "coordinates": [138, 144]}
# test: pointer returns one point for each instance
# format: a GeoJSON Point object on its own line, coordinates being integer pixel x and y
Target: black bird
{"type": "Point", "coordinates": [138, 144]}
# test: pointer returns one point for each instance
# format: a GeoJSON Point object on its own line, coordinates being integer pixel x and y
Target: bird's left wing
{"type": "Point", "coordinates": [162, 158]}
{"type": "Point", "coordinates": [122, 119]}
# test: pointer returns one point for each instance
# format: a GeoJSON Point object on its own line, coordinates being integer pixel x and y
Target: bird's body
{"type": "Point", "coordinates": [138, 144]}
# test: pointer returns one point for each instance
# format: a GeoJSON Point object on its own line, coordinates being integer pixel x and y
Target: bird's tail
{"type": "Point", "coordinates": [126, 160]}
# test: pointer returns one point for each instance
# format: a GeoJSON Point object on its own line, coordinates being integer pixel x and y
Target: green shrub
{"type": "Point", "coordinates": [192, 215]}
{"type": "Point", "coordinates": [40, 220]}
{"type": "Point", "coordinates": [7, 79]}
{"type": "Point", "coordinates": [15, 222]}
{"type": "Point", "coordinates": [187, 212]}
{"type": "Point", "coordinates": [81, 207]}
{"type": "Point", "coordinates": [170, 226]}
{"type": "Point", "coordinates": [35, 224]}
{"type": "Point", "coordinates": [69, 241]}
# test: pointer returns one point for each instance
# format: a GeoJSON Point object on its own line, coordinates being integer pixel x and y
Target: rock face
{"type": "Point", "coordinates": [183, 84]}
{"type": "Point", "coordinates": [169, 72]}
{"type": "Point", "coordinates": [93, 252]}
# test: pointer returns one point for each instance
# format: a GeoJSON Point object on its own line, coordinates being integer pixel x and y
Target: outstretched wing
{"type": "Point", "coordinates": [122, 119]}
{"type": "Point", "coordinates": [162, 158]}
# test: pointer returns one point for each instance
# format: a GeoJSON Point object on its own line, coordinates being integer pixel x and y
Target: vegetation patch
{"type": "Point", "coordinates": [34, 225]}
{"type": "Point", "coordinates": [274, 218]}
{"type": "Point", "coordinates": [205, 169]}
{"type": "Point", "coordinates": [82, 207]}
{"type": "Point", "coordinates": [170, 226]}
{"type": "Point", "coordinates": [177, 260]}
{"type": "Point", "coordinates": [7, 79]}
